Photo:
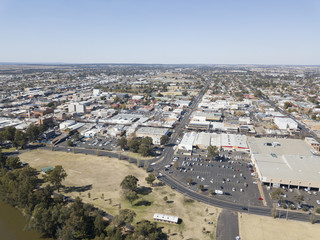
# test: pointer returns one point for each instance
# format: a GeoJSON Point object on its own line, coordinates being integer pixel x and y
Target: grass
{"type": "Point", "coordinates": [136, 155]}
{"type": "Point", "coordinates": [265, 228]}
{"type": "Point", "coordinates": [8, 150]}
{"type": "Point", "coordinates": [102, 175]}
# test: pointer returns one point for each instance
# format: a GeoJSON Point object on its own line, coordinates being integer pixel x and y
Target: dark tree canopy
{"type": "Point", "coordinates": [129, 183]}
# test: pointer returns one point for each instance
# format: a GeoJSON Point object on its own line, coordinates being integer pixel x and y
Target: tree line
{"type": "Point", "coordinates": [144, 145]}
{"type": "Point", "coordinates": [19, 138]}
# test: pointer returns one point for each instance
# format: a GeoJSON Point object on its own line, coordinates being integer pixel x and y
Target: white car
{"type": "Point", "coordinates": [318, 202]}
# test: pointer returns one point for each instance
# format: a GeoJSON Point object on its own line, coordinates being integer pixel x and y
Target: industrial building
{"type": "Point", "coordinates": [223, 141]}
{"type": "Point", "coordinates": [288, 162]}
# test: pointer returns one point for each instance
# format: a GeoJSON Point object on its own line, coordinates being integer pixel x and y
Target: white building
{"type": "Point", "coordinates": [203, 140]}
{"type": "Point", "coordinates": [154, 133]}
{"type": "Point", "coordinates": [64, 125]}
{"type": "Point", "coordinates": [165, 218]}
{"type": "Point", "coordinates": [96, 92]}
{"type": "Point", "coordinates": [285, 123]}
{"type": "Point", "coordinates": [76, 107]}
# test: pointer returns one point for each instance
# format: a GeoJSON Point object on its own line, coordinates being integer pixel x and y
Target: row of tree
{"type": "Point", "coordinates": [144, 145]}
{"type": "Point", "coordinates": [19, 138]}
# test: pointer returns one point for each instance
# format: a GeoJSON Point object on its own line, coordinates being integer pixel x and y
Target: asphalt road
{"type": "Point", "coordinates": [228, 226]}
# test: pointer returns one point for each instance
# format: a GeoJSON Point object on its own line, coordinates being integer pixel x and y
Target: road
{"type": "Point", "coordinates": [169, 149]}
{"type": "Point", "coordinates": [228, 226]}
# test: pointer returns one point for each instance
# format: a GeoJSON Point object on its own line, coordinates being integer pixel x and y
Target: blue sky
{"type": "Point", "coordinates": [160, 31]}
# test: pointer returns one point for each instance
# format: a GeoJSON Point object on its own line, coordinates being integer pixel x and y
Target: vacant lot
{"type": "Point", "coordinates": [101, 177]}
{"type": "Point", "coordinates": [265, 228]}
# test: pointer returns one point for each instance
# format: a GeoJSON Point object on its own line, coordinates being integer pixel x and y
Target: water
{"type": "Point", "coordinates": [12, 224]}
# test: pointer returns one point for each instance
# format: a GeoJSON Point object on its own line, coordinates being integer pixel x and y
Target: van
{"type": "Point", "coordinates": [218, 192]}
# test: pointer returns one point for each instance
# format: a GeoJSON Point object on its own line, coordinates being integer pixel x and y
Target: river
{"type": "Point", "coordinates": [12, 224]}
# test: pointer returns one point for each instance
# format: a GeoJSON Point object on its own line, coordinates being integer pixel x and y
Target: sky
{"type": "Point", "coordinates": [160, 31]}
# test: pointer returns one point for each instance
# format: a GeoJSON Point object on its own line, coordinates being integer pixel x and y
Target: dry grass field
{"type": "Point", "coordinates": [101, 177]}
{"type": "Point", "coordinates": [253, 227]}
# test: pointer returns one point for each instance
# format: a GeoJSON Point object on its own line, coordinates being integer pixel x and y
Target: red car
{"type": "Point", "coordinates": [260, 198]}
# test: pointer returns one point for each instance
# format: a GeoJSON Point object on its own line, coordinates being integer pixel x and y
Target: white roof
{"type": "Point", "coordinates": [163, 217]}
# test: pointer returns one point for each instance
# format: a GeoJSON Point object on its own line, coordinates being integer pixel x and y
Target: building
{"type": "Point", "coordinates": [154, 133]}
{"type": "Point", "coordinates": [285, 123]}
{"type": "Point", "coordinates": [64, 125]}
{"type": "Point", "coordinates": [222, 141]}
{"type": "Point", "coordinates": [96, 92]}
{"type": "Point", "coordinates": [287, 162]}
{"type": "Point", "coordinates": [76, 108]}
{"type": "Point", "coordinates": [165, 218]}
{"type": "Point", "coordinates": [313, 143]}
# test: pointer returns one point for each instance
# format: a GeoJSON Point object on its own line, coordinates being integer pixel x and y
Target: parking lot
{"type": "Point", "coordinates": [297, 199]}
{"type": "Point", "coordinates": [230, 175]}
{"type": "Point", "coordinates": [108, 143]}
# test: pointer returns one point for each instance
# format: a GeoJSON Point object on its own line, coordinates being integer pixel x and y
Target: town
{"type": "Point", "coordinates": [239, 137]}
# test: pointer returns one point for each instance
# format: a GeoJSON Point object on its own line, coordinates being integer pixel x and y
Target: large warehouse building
{"type": "Point", "coordinates": [287, 162]}
{"type": "Point", "coordinates": [202, 140]}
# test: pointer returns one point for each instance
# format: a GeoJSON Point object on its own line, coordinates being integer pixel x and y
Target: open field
{"type": "Point", "coordinates": [264, 228]}
{"type": "Point", "coordinates": [102, 175]}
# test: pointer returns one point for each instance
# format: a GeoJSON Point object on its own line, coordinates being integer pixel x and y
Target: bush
{"type": "Point", "coordinates": [318, 210]}
{"type": "Point", "coordinates": [188, 200]}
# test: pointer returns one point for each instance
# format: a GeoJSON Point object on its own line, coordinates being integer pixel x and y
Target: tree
{"type": "Point", "coordinates": [56, 176]}
{"type": "Point", "coordinates": [13, 163]}
{"type": "Point", "coordinates": [276, 194]}
{"type": "Point", "coordinates": [9, 133]}
{"type": "Point", "coordinates": [69, 143]}
{"type": "Point", "coordinates": [20, 139]}
{"type": "Point", "coordinates": [299, 198]}
{"type": "Point", "coordinates": [122, 142]}
{"type": "Point", "coordinates": [150, 179]}
{"type": "Point", "coordinates": [116, 99]}
{"type": "Point", "coordinates": [3, 160]}
{"type": "Point", "coordinates": [33, 132]}
{"type": "Point", "coordinates": [131, 196]}
{"type": "Point", "coordinates": [146, 141]}
{"type": "Point", "coordinates": [145, 150]}
{"type": "Point", "coordinates": [148, 230]}
{"type": "Point", "coordinates": [258, 94]}
{"type": "Point", "coordinates": [184, 93]}
{"type": "Point", "coordinates": [212, 151]}
{"type": "Point", "coordinates": [125, 216]}
{"type": "Point", "coordinates": [201, 187]}
{"type": "Point", "coordinates": [164, 139]}
{"type": "Point", "coordinates": [286, 105]}
{"type": "Point", "coordinates": [189, 181]}
{"type": "Point", "coordinates": [134, 144]}
{"type": "Point", "coordinates": [129, 183]}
